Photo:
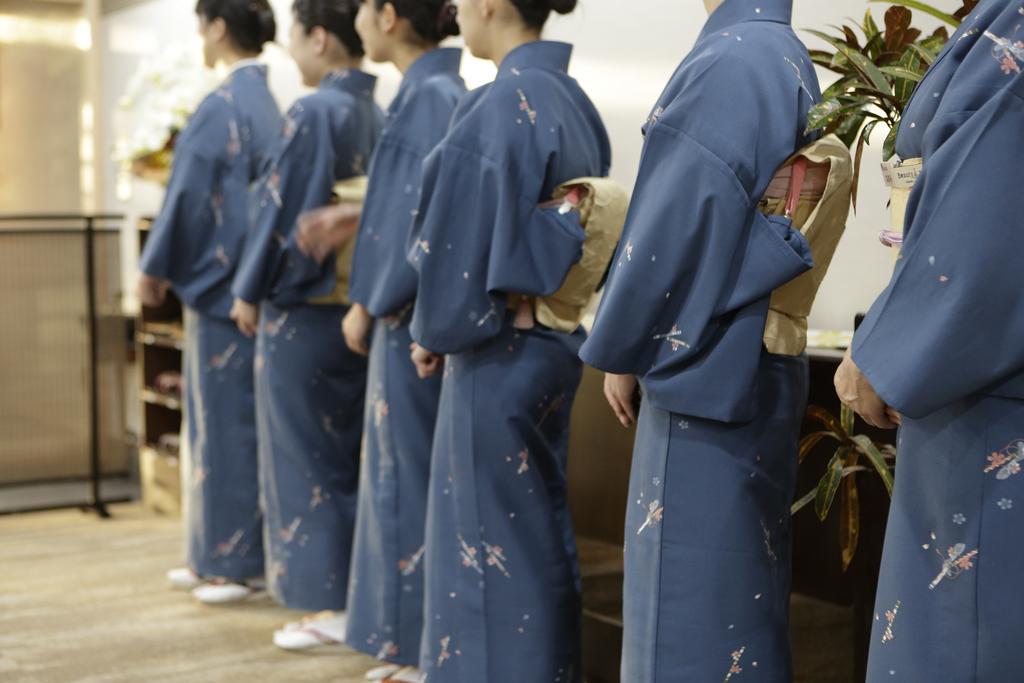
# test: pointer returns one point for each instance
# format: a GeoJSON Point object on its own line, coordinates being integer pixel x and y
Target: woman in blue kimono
{"type": "Point", "coordinates": [941, 352]}
{"type": "Point", "coordinates": [714, 464]}
{"type": "Point", "coordinates": [385, 604]}
{"type": "Point", "coordinates": [309, 387]}
{"type": "Point", "coordinates": [502, 600]}
{"type": "Point", "coordinates": [194, 246]}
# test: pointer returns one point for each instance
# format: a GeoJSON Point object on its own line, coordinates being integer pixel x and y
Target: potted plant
{"type": "Point", "coordinates": [878, 68]}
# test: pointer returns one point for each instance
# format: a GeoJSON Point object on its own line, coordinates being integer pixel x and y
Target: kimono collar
{"type": "Point", "coordinates": [246, 63]}
{"type": "Point", "coordinates": [538, 54]}
{"type": "Point", "coordinates": [443, 60]}
{"type": "Point", "coordinates": [732, 12]}
{"type": "Point", "coordinates": [352, 81]}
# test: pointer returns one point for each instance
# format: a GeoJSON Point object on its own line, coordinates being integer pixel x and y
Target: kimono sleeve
{"type": "Point", "coordinates": [295, 182]}
{"type": "Point", "coordinates": [695, 247]}
{"type": "Point", "coordinates": [951, 322]}
{"type": "Point", "coordinates": [477, 237]}
{"type": "Point", "coordinates": [194, 174]}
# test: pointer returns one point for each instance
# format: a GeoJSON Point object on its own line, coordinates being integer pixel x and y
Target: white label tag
{"type": "Point", "coordinates": [901, 175]}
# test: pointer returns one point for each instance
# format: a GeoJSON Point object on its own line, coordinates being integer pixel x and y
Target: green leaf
{"type": "Point", "coordinates": [902, 72]}
{"type": "Point", "coordinates": [848, 419]}
{"type": "Point", "coordinates": [923, 7]}
{"type": "Point", "coordinates": [870, 28]}
{"type": "Point", "coordinates": [868, 449]}
{"type": "Point", "coordinates": [803, 502]}
{"type": "Point", "coordinates": [829, 485]}
{"type": "Point", "coordinates": [889, 146]}
{"type": "Point", "coordinates": [831, 111]}
{"type": "Point", "coordinates": [808, 443]}
{"type": "Point", "coordinates": [864, 65]}
{"type": "Point", "coordinates": [926, 55]}
{"type": "Point", "coordinates": [819, 414]}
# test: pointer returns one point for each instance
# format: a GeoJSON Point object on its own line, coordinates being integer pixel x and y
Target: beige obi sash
{"type": "Point", "coordinates": [813, 189]}
{"type": "Point", "coordinates": [349, 191]}
{"type": "Point", "coordinates": [603, 216]}
{"type": "Point", "coordinates": [899, 177]}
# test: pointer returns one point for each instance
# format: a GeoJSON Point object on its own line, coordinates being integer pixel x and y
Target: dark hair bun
{"type": "Point", "coordinates": [431, 20]}
{"type": "Point", "coordinates": [250, 23]}
{"type": "Point", "coordinates": [535, 13]}
{"type": "Point", "coordinates": [563, 6]}
{"type": "Point", "coordinates": [268, 26]}
{"type": "Point", "coordinates": [448, 21]}
{"type": "Point", "coordinates": [337, 17]}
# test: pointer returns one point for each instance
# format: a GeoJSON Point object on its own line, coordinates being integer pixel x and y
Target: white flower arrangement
{"type": "Point", "coordinates": [161, 96]}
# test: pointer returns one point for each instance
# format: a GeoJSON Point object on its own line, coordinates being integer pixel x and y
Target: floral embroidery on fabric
{"type": "Point", "coordinates": [408, 566]}
{"type": "Point", "coordinates": [469, 556]}
{"type": "Point", "coordinates": [524, 106]}
{"type": "Point", "coordinates": [890, 617]}
{"type": "Point", "coordinates": [227, 547]}
{"type": "Point", "coordinates": [1005, 504]}
{"type": "Point", "coordinates": [1008, 53]}
{"type": "Point", "coordinates": [221, 360]}
{"type": "Point", "coordinates": [234, 140]}
{"type": "Point", "coordinates": [1007, 462]}
{"type": "Point", "coordinates": [524, 462]}
{"type": "Point", "coordinates": [274, 327]}
{"type": "Point", "coordinates": [655, 513]}
{"type": "Point", "coordinates": [956, 561]}
{"type": "Point", "coordinates": [799, 77]}
{"type": "Point", "coordinates": [652, 120]}
{"type": "Point", "coordinates": [387, 649]}
{"type": "Point", "coordinates": [287, 534]}
{"type": "Point", "coordinates": [380, 411]}
{"type": "Point", "coordinates": [445, 652]}
{"type": "Point", "coordinates": [317, 499]}
{"type": "Point", "coordinates": [673, 337]}
{"type": "Point", "coordinates": [735, 669]}
{"type": "Point", "coordinates": [496, 558]}
{"type": "Point", "coordinates": [274, 187]}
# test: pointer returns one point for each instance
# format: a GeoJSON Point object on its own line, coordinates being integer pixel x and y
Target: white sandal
{"type": "Point", "coordinates": [408, 674]}
{"type": "Point", "coordinates": [382, 672]}
{"type": "Point", "coordinates": [323, 629]}
{"type": "Point", "coordinates": [222, 592]}
{"type": "Point", "coordinates": [183, 578]}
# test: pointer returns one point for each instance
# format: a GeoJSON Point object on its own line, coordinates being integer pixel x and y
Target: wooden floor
{"type": "Point", "coordinates": [85, 601]}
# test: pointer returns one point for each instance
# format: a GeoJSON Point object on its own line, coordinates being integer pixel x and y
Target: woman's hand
{"type": "Point", "coordinates": [619, 390]}
{"type": "Point", "coordinates": [356, 329]}
{"type": "Point", "coordinates": [151, 291]}
{"type": "Point", "coordinates": [246, 316]}
{"type": "Point", "coordinates": [327, 230]}
{"type": "Point", "coordinates": [855, 391]}
{"type": "Point", "coordinates": [427, 362]}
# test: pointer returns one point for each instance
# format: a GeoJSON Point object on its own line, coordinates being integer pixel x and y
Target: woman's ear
{"type": "Point", "coordinates": [218, 29]}
{"type": "Point", "coordinates": [321, 40]}
{"type": "Point", "coordinates": [387, 18]}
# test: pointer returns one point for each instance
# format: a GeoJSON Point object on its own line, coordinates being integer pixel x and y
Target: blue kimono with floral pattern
{"type": "Point", "coordinates": [385, 603]}
{"type": "Point", "coordinates": [502, 583]}
{"type": "Point", "coordinates": [942, 345]}
{"type": "Point", "coordinates": [309, 386]}
{"type": "Point", "coordinates": [196, 242]}
{"type": "Point", "coordinates": [714, 467]}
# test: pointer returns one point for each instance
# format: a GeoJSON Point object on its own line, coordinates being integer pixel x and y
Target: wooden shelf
{"type": "Point", "coordinates": [154, 397]}
{"type": "Point", "coordinates": [164, 335]}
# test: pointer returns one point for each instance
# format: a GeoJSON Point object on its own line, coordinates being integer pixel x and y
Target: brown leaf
{"type": "Point", "coordinates": [967, 8]}
{"type": "Point", "coordinates": [849, 521]}
{"type": "Point", "coordinates": [897, 21]}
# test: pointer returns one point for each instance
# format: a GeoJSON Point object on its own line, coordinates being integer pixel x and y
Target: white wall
{"type": "Point", "coordinates": [625, 52]}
